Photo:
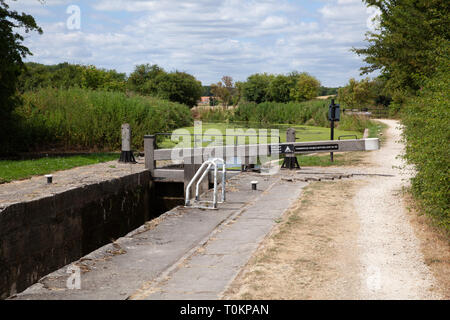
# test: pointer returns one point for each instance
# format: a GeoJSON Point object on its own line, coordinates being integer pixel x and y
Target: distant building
{"type": "Point", "coordinates": [205, 100]}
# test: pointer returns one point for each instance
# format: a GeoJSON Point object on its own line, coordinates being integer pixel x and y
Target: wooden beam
{"type": "Point", "coordinates": [149, 152]}
{"type": "Point", "coordinates": [227, 152]}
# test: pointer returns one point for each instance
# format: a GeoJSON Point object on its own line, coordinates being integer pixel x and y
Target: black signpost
{"type": "Point", "coordinates": [290, 161]}
{"type": "Point", "coordinates": [334, 114]}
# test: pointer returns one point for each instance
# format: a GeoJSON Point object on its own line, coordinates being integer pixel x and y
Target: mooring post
{"type": "Point", "coordinates": [149, 153]}
{"type": "Point", "coordinates": [290, 159]}
{"type": "Point", "coordinates": [126, 155]}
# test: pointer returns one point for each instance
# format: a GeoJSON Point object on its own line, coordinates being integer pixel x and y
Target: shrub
{"type": "Point", "coordinates": [427, 122]}
{"type": "Point", "coordinates": [290, 113]}
{"type": "Point", "coordinates": [354, 122]}
{"type": "Point", "coordinates": [84, 119]}
{"type": "Point", "coordinates": [215, 114]}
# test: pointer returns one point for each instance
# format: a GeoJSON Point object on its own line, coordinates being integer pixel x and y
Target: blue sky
{"type": "Point", "coordinates": [206, 38]}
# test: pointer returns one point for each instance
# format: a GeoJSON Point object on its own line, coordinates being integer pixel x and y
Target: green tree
{"type": "Point", "coordinates": [34, 75]}
{"type": "Point", "coordinates": [380, 93]}
{"type": "Point", "coordinates": [239, 90]}
{"type": "Point", "coordinates": [94, 78]}
{"type": "Point", "coordinates": [11, 53]}
{"type": "Point", "coordinates": [256, 87]}
{"type": "Point", "coordinates": [206, 91]}
{"type": "Point", "coordinates": [221, 92]}
{"type": "Point", "coordinates": [324, 91]}
{"type": "Point", "coordinates": [280, 87]}
{"type": "Point", "coordinates": [306, 88]}
{"type": "Point", "coordinates": [357, 94]}
{"type": "Point", "coordinates": [65, 75]}
{"type": "Point", "coordinates": [175, 86]}
{"type": "Point", "coordinates": [224, 90]}
{"type": "Point", "coordinates": [413, 36]}
{"type": "Point", "coordinates": [144, 79]}
{"type": "Point", "coordinates": [179, 87]}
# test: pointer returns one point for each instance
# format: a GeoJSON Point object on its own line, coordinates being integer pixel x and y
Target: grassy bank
{"type": "Point", "coordinates": [16, 170]}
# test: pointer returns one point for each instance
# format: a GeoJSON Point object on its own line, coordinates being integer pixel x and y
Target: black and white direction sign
{"type": "Point", "coordinates": [321, 147]}
{"type": "Point", "coordinates": [287, 148]}
{"type": "Point", "coordinates": [282, 148]}
{"type": "Point", "coordinates": [290, 148]}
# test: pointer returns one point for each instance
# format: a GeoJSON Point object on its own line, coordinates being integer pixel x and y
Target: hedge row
{"type": "Point", "coordinates": [427, 134]}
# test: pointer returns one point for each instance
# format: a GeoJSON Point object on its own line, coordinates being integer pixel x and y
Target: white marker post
{"type": "Point", "coordinates": [127, 155]}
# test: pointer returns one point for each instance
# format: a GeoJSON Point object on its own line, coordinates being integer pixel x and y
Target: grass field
{"type": "Point", "coordinates": [21, 169]}
{"type": "Point", "coordinates": [303, 133]}
{"type": "Point", "coordinates": [16, 170]}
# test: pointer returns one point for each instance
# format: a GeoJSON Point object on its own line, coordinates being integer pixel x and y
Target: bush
{"type": "Point", "coordinates": [357, 94]}
{"type": "Point", "coordinates": [427, 122]}
{"type": "Point", "coordinates": [84, 119]}
{"type": "Point", "coordinates": [354, 122]}
{"type": "Point", "coordinates": [216, 114]}
{"type": "Point", "coordinates": [290, 113]}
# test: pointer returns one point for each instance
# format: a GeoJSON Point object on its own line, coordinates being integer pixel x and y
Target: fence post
{"type": "Point", "coordinates": [149, 153]}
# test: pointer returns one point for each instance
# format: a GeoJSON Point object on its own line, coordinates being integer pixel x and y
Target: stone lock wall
{"type": "Point", "coordinates": [43, 235]}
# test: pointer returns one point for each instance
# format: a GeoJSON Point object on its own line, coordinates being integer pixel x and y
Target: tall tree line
{"type": "Point", "coordinates": [12, 51]}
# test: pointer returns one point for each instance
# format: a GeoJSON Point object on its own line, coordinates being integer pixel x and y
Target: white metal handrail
{"type": "Point", "coordinates": [224, 178]}
{"type": "Point", "coordinates": [203, 171]}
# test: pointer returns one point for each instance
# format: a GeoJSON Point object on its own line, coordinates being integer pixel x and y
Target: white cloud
{"type": "Point", "coordinates": [212, 38]}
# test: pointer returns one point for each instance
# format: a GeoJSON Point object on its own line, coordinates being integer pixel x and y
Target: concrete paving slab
{"type": "Point", "coordinates": [208, 272]}
{"type": "Point", "coordinates": [121, 269]}
{"type": "Point", "coordinates": [190, 254]}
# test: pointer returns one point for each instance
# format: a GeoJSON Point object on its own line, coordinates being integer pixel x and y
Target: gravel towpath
{"type": "Point", "coordinates": [392, 264]}
{"type": "Point", "coordinates": [345, 239]}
